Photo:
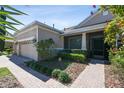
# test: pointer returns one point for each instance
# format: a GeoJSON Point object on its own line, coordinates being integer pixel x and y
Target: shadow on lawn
{"type": "Point", "coordinates": [19, 61]}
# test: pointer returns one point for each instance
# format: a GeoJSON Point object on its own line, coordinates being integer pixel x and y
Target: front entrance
{"type": "Point", "coordinates": [97, 47]}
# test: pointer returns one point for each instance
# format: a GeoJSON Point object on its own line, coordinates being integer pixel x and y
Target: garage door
{"type": "Point", "coordinates": [29, 50]}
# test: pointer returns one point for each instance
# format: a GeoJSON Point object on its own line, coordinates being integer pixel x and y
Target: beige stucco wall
{"type": "Point", "coordinates": [40, 33]}
{"type": "Point", "coordinates": [27, 50]}
{"type": "Point", "coordinates": [46, 34]}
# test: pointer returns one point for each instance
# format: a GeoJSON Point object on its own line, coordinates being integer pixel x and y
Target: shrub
{"type": "Point", "coordinates": [41, 69]}
{"type": "Point", "coordinates": [45, 69]}
{"type": "Point", "coordinates": [117, 57]}
{"type": "Point", "coordinates": [4, 53]}
{"type": "Point", "coordinates": [78, 51]}
{"type": "Point", "coordinates": [36, 66]}
{"type": "Point", "coordinates": [33, 65]}
{"type": "Point", "coordinates": [9, 51]}
{"type": "Point", "coordinates": [49, 72]}
{"type": "Point", "coordinates": [72, 56]}
{"type": "Point", "coordinates": [77, 57]}
{"type": "Point", "coordinates": [28, 63]}
{"type": "Point", "coordinates": [56, 73]}
{"type": "Point", "coordinates": [75, 51]}
{"type": "Point", "coordinates": [64, 77]}
{"type": "Point", "coordinates": [45, 49]}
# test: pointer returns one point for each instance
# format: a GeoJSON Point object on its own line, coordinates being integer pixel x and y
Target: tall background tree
{"type": "Point", "coordinates": [7, 22]}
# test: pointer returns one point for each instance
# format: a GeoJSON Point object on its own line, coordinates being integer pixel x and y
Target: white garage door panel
{"type": "Point", "coordinates": [29, 50]}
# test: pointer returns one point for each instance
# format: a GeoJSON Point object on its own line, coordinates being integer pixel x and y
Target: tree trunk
{"type": "Point", "coordinates": [2, 42]}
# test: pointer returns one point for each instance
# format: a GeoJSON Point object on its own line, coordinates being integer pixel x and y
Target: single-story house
{"type": "Point", "coordinates": [87, 35]}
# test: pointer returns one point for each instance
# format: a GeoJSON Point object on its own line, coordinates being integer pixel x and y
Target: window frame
{"type": "Point", "coordinates": [69, 46]}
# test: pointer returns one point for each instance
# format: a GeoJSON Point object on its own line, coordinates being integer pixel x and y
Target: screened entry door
{"type": "Point", "coordinates": [98, 47]}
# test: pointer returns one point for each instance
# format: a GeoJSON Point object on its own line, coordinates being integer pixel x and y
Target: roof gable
{"type": "Point", "coordinates": [38, 24]}
{"type": "Point", "coordinates": [94, 19]}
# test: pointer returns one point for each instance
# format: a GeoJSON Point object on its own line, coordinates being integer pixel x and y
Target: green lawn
{"type": "Point", "coordinates": [7, 80]}
{"type": "Point", "coordinates": [4, 71]}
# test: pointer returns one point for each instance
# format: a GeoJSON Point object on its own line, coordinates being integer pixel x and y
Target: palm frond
{"type": "Point", "coordinates": [7, 27]}
{"type": "Point", "coordinates": [3, 29]}
{"type": "Point", "coordinates": [8, 12]}
{"type": "Point", "coordinates": [2, 21]}
{"type": "Point", "coordinates": [5, 24]}
{"type": "Point", "coordinates": [5, 38]}
{"type": "Point", "coordinates": [13, 19]}
{"type": "Point", "coordinates": [11, 8]}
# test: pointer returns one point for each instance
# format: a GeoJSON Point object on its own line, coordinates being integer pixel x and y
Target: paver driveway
{"type": "Point", "coordinates": [91, 77]}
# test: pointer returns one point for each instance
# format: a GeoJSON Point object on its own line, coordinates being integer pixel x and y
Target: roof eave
{"type": "Point", "coordinates": [86, 29]}
{"type": "Point", "coordinates": [40, 24]}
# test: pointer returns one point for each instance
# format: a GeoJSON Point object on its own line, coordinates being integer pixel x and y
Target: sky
{"type": "Point", "coordinates": [62, 16]}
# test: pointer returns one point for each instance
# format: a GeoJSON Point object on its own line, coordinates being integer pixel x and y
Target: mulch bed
{"type": "Point", "coordinates": [113, 77]}
{"type": "Point", "coordinates": [9, 81]}
{"type": "Point", "coordinates": [71, 67]}
{"type": "Point", "coordinates": [74, 70]}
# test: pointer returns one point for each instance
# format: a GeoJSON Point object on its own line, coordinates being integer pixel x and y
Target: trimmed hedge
{"type": "Point", "coordinates": [39, 68]}
{"type": "Point", "coordinates": [72, 56]}
{"type": "Point", "coordinates": [75, 51]}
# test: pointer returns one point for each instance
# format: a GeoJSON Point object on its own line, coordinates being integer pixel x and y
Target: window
{"type": "Point", "coordinates": [75, 42]}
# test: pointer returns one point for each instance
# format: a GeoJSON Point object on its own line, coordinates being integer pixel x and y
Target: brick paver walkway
{"type": "Point", "coordinates": [92, 76]}
{"type": "Point", "coordinates": [27, 77]}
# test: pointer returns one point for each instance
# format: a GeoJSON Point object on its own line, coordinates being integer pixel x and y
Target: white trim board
{"type": "Point", "coordinates": [85, 29]}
